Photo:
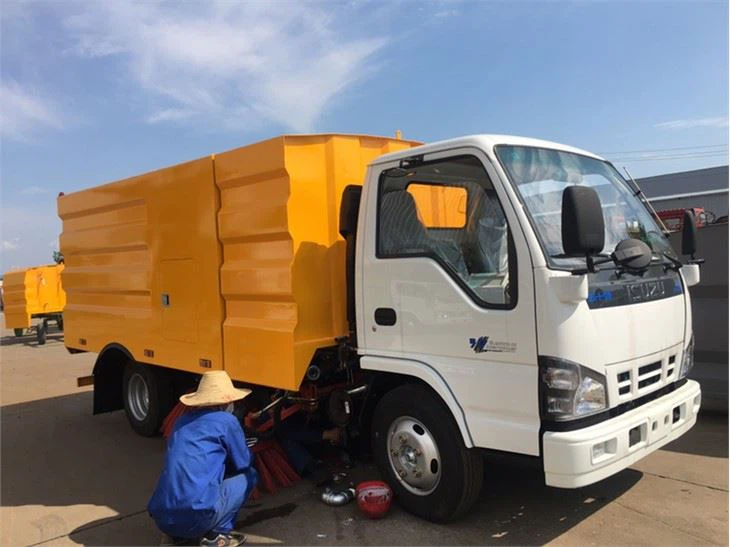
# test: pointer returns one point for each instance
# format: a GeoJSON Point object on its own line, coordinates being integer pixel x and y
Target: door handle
{"type": "Point", "coordinates": [385, 316]}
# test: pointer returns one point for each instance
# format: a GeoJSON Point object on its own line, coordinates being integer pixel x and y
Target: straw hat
{"type": "Point", "coordinates": [215, 388]}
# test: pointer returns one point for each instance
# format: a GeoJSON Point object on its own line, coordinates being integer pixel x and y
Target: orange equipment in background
{"type": "Point", "coordinates": [33, 293]}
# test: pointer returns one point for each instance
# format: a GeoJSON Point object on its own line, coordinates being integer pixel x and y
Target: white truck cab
{"type": "Point", "coordinates": [531, 292]}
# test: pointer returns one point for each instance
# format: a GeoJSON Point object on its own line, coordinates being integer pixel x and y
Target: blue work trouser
{"type": "Point", "coordinates": [234, 492]}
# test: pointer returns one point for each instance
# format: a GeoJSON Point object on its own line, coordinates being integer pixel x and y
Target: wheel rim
{"type": "Point", "coordinates": [414, 455]}
{"type": "Point", "coordinates": [138, 397]}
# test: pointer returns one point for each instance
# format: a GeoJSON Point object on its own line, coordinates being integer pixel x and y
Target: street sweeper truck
{"type": "Point", "coordinates": [485, 292]}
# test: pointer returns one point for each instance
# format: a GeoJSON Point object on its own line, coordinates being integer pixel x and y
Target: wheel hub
{"type": "Point", "coordinates": [138, 396]}
{"type": "Point", "coordinates": [414, 455]}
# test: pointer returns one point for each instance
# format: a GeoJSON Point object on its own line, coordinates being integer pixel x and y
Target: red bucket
{"type": "Point", "coordinates": [374, 498]}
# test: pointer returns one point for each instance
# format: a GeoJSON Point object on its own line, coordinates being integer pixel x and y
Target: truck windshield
{"type": "Point", "coordinates": [540, 175]}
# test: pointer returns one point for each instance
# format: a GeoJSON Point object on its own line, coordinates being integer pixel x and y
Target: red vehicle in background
{"type": "Point", "coordinates": [673, 219]}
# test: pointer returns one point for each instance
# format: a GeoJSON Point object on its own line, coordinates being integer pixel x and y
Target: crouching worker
{"type": "Point", "coordinates": [208, 473]}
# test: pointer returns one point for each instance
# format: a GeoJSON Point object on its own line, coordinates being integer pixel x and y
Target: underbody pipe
{"type": "Point", "coordinates": [337, 498]}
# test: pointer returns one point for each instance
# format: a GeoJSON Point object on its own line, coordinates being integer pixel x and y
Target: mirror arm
{"type": "Point", "coordinates": [693, 260]}
{"type": "Point", "coordinates": [675, 264]}
{"type": "Point", "coordinates": [592, 262]}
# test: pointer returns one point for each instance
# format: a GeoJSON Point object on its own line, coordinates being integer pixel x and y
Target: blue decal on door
{"type": "Point", "coordinates": [479, 345]}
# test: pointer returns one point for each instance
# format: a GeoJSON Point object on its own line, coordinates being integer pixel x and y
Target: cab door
{"type": "Point", "coordinates": [450, 260]}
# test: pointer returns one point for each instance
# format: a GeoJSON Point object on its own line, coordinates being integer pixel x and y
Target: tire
{"type": "Point", "coordinates": [42, 332]}
{"type": "Point", "coordinates": [146, 396]}
{"type": "Point", "coordinates": [18, 332]}
{"type": "Point", "coordinates": [416, 420]}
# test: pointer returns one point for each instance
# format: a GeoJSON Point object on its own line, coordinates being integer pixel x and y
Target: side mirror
{"type": "Point", "coordinates": [691, 274]}
{"type": "Point", "coordinates": [689, 234]}
{"type": "Point", "coordinates": [349, 209]}
{"type": "Point", "coordinates": [583, 229]}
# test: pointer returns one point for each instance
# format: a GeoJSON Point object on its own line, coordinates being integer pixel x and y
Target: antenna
{"type": "Point", "coordinates": [640, 193]}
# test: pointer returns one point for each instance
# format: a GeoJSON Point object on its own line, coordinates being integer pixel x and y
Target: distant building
{"type": "Point", "coordinates": [706, 188]}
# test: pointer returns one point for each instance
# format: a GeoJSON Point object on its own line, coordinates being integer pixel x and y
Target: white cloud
{"type": "Point", "coordinates": [231, 65]}
{"type": "Point", "coordinates": [24, 111]}
{"type": "Point", "coordinates": [443, 14]}
{"type": "Point", "coordinates": [11, 244]}
{"type": "Point", "coordinates": [24, 246]}
{"type": "Point", "coordinates": [33, 190]}
{"type": "Point", "coordinates": [718, 121]}
{"type": "Point", "coordinates": [171, 115]}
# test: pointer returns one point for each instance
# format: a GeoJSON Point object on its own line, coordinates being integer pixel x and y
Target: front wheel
{"type": "Point", "coordinates": [420, 451]}
{"type": "Point", "coordinates": [146, 394]}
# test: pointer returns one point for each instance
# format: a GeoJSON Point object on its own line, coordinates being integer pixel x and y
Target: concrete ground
{"type": "Point", "coordinates": [71, 478]}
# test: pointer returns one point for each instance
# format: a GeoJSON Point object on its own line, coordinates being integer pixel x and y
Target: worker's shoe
{"type": "Point", "coordinates": [231, 539]}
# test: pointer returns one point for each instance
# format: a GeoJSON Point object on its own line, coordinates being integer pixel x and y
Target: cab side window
{"type": "Point", "coordinates": [448, 210]}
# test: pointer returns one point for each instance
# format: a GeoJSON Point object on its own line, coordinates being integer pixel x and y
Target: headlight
{"type": "Point", "coordinates": [568, 390]}
{"type": "Point", "coordinates": [688, 358]}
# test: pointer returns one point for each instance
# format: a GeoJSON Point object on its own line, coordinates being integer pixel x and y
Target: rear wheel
{"type": "Point", "coordinates": [420, 451]}
{"type": "Point", "coordinates": [146, 394]}
{"type": "Point", "coordinates": [42, 331]}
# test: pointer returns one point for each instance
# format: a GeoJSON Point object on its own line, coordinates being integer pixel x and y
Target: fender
{"type": "Point", "coordinates": [427, 374]}
{"type": "Point", "coordinates": [108, 375]}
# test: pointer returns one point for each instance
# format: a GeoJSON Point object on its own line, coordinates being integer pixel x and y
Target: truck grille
{"type": "Point", "coordinates": [635, 379]}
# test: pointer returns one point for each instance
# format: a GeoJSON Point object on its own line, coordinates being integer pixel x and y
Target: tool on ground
{"type": "Point", "coordinates": [334, 497]}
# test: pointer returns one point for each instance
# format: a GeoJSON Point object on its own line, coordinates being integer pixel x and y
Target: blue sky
{"type": "Point", "coordinates": [93, 91]}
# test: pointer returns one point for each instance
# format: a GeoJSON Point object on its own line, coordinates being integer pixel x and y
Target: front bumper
{"type": "Point", "coordinates": [576, 458]}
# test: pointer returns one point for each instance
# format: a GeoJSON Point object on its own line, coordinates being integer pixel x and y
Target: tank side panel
{"type": "Point", "coordinates": [260, 313]}
{"type": "Point", "coordinates": [120, 242]}
{"type": "Point", "coordinates": [282, 277]}
{"type": "Point", "coordinates": [17, 315]}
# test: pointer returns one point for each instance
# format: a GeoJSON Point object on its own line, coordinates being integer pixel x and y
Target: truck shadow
{"type": "Point", "coordinates": [56, 454]}
{"type": "Point", "coordinates": [516, 508]}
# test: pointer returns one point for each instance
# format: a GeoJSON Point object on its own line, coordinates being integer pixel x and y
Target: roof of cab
{"type": "Point", "coordinates": [481, 141]}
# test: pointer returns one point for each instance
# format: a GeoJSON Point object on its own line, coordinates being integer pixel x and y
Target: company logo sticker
{"type": "Point", "coordinates": [483, 344]}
